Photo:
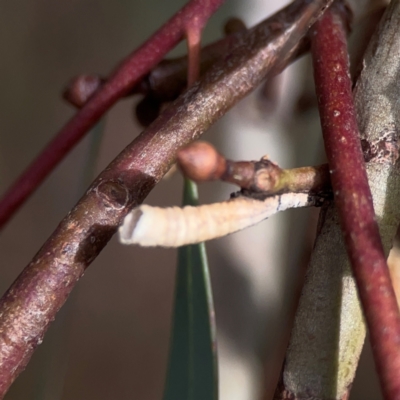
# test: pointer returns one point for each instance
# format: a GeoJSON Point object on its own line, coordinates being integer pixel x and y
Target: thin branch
{"type": "Point", "coordinates": [266, 190]}
{"type": "Point", "coordinates": [193, 31]}
{"type": "Point", "coordinates": [328, 332]}
{"type": "Point", "coordinates": [38, 293]}
{"type": "Point", "coordinates": [166, 81]}
{"type": "Point", "coordinates": [126, 76]}
{"type": "Point", "coordinates": [201, 162]}
{"type": "Point", "coordinates": [353, 197]}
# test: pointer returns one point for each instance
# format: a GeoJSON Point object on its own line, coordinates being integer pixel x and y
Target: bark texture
{"type": "Point", "coordinates": [329, 331]}
{"type": "Point", "coordinates": [33, 300]}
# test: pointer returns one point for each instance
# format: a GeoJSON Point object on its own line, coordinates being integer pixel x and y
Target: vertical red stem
{"type": "Point", "coordinates": [193, 37]}
{"type": "Point", "coordinates": [353, 197]}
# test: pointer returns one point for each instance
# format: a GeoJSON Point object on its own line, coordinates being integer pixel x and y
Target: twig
{"type": "Point", "coordinates": [353, 197]}
{"type": "Point", "coordinates": [165, 82]}
{"type": "Point", "coordinates": [266, 190]}
{"type": "Point", "coordinates": [201, 162]}
{"type": "Point", "coordinates": [126, 76]}
{"type": "Point", "coordinates": [35, 297]}
{"type": "Point", "coordinates": [193, 31]}
{"type": "Point", "coordinates": [328, 333]}
{"type": "Point", "coordinates": [168, 79]}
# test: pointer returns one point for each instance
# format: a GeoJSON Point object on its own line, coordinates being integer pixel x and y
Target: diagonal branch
{"type": "Point", "coordinates": [38, 293]}
{"type": "Point", "coordinates": [126, 76]}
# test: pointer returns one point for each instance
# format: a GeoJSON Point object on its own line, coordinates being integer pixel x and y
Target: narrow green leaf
{"type": "Point", "coordinates": [193, 371]}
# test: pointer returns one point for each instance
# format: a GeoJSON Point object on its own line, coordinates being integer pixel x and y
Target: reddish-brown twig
{"type": "Point", "coordinates": [201, 162]}
{"type": "Point", "coordinates": [168, 79]}
{"type": "Point", "coordinates": [266, 190]}
{"type": "Point", "coordinates": [353, 197]}
{"type": "Point", "coordinates": [193, 37]}
{"type": "Point", "coordinates": [120, 82]}
{"type": "Point", "coordinates": [165, 81]}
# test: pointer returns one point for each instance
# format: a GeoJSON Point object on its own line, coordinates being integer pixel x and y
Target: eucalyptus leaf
{"type": "Point", "coordinates": [193, 370]}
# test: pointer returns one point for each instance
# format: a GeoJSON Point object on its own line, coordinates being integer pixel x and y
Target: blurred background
{"type": "Point", "coordinates": [111, 339]}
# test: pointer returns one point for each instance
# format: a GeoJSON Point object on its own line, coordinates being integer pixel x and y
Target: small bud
{"type": "Point", "coordinates": [234, 25]}
{"type": "Point", "coordinates": [81, 88]}
{"type": "Point", "coordinates": [200, 161]}
{"type": "Point", "coordinates": [147, 110]}
{"type": "Point", "coordinates": [267, 177]}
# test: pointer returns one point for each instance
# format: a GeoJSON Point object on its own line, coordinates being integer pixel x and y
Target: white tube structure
{"type": "Point", "coordinates": [174, 226]}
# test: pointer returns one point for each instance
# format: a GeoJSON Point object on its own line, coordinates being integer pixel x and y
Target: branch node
{"type": "Point", "coordinates": [113, 194]}
{"type": "Point", "coordinates": [81, 89]}
{"type": "Point", "coordinates": [384, 150]}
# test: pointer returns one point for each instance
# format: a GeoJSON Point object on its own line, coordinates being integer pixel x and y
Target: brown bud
{"type": "Point", "coordinates": [257, 176]}
{"type": "Point", "coordinates": [200, 162]}
{"type": "Point", "coordinates": [81, 88]}
{"type": "Point", "coordinates": [147, 110]}
{"type": "Point", "coordinates": [234, 25]}
{"type": "Point", "coordinates": [267, 176]}
{"type": "Point", "coordinates": [240, 173]}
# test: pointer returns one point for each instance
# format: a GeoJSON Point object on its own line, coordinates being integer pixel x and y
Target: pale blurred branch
{"type": "Point", "coordinates": [329, 331]}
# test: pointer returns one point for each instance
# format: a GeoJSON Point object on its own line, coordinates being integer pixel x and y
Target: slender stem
{"type": "Point", "coordinates": [33, 300]}
{"type": "Point", "coordinates": [201, 162]}
{"type": "Point", "coordinates": [169, 78]}
{"type": "Point", "coordinates": [353, 197]}
{"type": "Point", "coordinates": [193, 37]}
{"type": "Point", "coordinates": [126, 76]}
